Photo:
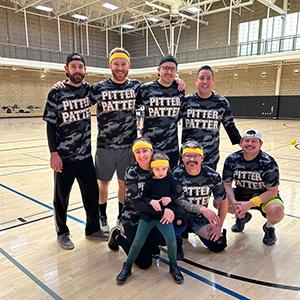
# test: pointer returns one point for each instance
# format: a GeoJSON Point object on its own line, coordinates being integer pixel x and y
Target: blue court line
{"type": "Point", "coordinates": [209, 282]}
{"type": "Point", "coordinates": [20, 172]}
{"type": "Point", "coordinates": [30, 275]}
{"type": "Point", "coordinates": [196, 276]}
{"type": "Point", "coordinates": [39, 202]}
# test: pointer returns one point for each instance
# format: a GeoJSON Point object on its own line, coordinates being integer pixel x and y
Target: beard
{"type": "Point", "coordinates": [120, 76]}
{"type": "Point", "coordinates": [76, 77]}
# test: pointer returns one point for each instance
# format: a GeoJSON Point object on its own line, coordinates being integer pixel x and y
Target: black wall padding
{"type": "Point", "coordinates": [289, 107]}
{"type": "Point", "coordinates": [264, 107]}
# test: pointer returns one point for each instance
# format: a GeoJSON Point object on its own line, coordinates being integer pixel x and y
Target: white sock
{"type": "Point", "coordinates": [269, 225]}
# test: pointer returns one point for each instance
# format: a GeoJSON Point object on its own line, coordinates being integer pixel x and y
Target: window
{"type": "Point", "coordinates": [248, 38]}
{"type": "Point", "coordinates": [271, 33]}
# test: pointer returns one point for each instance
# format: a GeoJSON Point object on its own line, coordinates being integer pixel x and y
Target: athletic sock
{"type": "Point", "coordinates": [120, 210]}
{"type": "Point", "coordinates": [102, 210]}
{"type": "Point", "coordinates": [269, 225]}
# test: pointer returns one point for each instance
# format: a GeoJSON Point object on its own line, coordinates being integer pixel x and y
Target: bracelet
{"type": "Point", "coordinates": [256, 201]}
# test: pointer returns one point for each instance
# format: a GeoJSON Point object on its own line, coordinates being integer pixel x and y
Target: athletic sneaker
{"type": "Point", "coordinates": [240, 223]}
{"type": "Point", "coordinates": [270, 236]}
{"type": "Point", "coordinates": [65, 241]}
{"type": "Point", "coordinates": [103, 224]}
{"type": "Point", "coordinates": [98, 235]}
{"type": "Point", "coordinates": [112, 242]}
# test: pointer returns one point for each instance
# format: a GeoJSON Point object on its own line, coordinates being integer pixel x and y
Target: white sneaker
{"type": "Point", "coordinates": [103, 225]}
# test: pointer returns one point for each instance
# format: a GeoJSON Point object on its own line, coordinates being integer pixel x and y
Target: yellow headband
{"type": "Point", "coordinates": [141, 144]}
{"type": "Point", "coordinates": [119, 55]}
{"type": "Point", "coordinates": [192, 150]}
{"type": "Point", "coordinates": [159, 163]}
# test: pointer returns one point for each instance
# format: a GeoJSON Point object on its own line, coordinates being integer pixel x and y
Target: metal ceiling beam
{"type": "Point", "coordinates": [78, 8]}
{"type": "Point", "coordinates": [270, 3]}
{"type": "Point", "coordinates": [29, 5]}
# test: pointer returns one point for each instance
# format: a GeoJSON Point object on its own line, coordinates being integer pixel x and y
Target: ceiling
{"type": "Point", "coordinates": [136, 13]}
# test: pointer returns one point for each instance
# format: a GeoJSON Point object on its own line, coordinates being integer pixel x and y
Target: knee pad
{"type": "Point", "coordinates": [218, 245]}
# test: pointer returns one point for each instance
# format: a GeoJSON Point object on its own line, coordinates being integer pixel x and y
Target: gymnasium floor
{"type": "Point", "coordinates": [33, 266]}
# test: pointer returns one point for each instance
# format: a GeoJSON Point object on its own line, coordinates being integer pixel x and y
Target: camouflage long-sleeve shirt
{"type": "Point", "coordinates": [135, 178]}
{"type": "Point", "coordinates": [198, 189]}
{"type": "Point", "coordinates": [251, 177]}
{"type": "Point", "coordinates": [68, 109]}
{"type": "Point", "coordinates": [116, 113]}
{"type": "Point", "coordinates": [161, 111]}
{"type": "Point", "coordinates": [201, 122]}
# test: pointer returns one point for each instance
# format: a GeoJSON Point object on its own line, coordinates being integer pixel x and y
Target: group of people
{"type": "Point", "coordinates": [164, 200]}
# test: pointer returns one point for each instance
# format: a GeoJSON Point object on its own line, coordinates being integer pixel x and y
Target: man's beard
{"type": "Point", "coordinates": [78, 79]}
{"type": "Point", "coordinates": [119, 77]}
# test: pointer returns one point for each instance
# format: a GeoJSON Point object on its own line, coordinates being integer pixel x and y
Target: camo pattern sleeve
{"type": "Point", "coordinates": [161, 114]}
{"type": "Point", "coordinates": [116, 113]}
{"type": "Point", "coordinates": [135, 179]}
{"type": "Point", "coordinates": [69, 109]}
{"type": "Point", "coordinates": [253, 177]}
{"type": "Point", "coordinates": [201, 122]}
{"type": "Point", "coordinates": [197, 190]}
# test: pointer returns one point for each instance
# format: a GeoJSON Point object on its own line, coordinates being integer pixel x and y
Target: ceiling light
{"type": "Point", "coordinates": [127, 26]}
{"type": "Point", "coordinates": [110, 6]}
{"type": "Point", "coordinates": [153, 20]}
{"type": "Point", "coordinates": [79, 17]}
{"type": "Point", "coordinates": [193, 9]}
{"type": "Point", "coordinates": [185, 16]}
{"type": "Point", "coordinates": [44, 8]}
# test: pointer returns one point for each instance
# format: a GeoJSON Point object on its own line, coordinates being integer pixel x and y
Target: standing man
{"type": "Point", "coordinates": [116, 128]}
{"type": "Point", "coordinates": [202, 114]}
{"type": "Point", "coordinates": [68, 118]}
{"type": "Point", "coordinates": [198, 182]}
{"type": "Point", "coordinates": [161, 100]}
{"type": "Point", "coordinates": [256, 177]}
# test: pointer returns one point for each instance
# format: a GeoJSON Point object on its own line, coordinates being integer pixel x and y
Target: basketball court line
{"type": "Point", "coordinates": [21, 172]}
{"type": "Point", "coordinates": [21, 141]}
{"type": "Point", "coordinates": [25, 222]}
{"type": "Point", "coordinates": [21, 166]}
{"type": "Point", "coordinates": [30, 275]}
{"type": "Point", "coordinates": [22, 148]}
{"type": "Point", "coordinates": [219, 287]}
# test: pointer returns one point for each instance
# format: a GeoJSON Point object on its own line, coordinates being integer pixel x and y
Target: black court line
{"type": "Point", "coordinates": [22, 148]}
{"type": "Point", "coordinates": [242, 278]}
{"type": "Point", "coordinates": [42, 218]}
{"type": "Point", "coordinates": [292, 216]}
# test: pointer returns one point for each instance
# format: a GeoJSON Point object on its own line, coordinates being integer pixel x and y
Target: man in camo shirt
{"type": "Point", "coordinates": [202, 114]}
{"type": "Point", "coordinates": [161, 100]}
{"type": "Point", "coordinates": [256, 176]}
{"type": "Point", "coordinates": [199, 182]}
{"type": "Point", "coordinates": [68, 117]}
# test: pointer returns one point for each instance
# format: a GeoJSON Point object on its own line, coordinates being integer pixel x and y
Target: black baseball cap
{"type": "Point", "coordinates": [168, 58]}
{"type": "Point", "coordinates": [74, 56]}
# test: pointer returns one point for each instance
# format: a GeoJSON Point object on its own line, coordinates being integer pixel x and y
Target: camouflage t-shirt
{"type": "Point", "coordinates": [161, 110]}
{"type": "Point", "coordinates": [251, 177]}
{"type": "Point", "coordinates": [201, 122]}
{"type": "Point", "coordinates": [198, 189]}
{"type": "Point", "coordinates": [116, 113]}
{"type": "Point", "coordinates": [69, 110]}
{"type": "Point", "coordinates": [135, 178]}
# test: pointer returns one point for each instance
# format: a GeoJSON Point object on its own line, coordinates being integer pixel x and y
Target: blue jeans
{"type": "Point", "coordinates": [143, 230]}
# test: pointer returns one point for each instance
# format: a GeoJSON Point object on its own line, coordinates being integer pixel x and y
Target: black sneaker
{"type": "Point", "coordinates": [112, 242]}
{"type": "Point", "coordinates": [65, 241]}
{"type": "Point", "coordinates": [270, 236]}
{"type": "Point", "coordinates": [98, 235]}
{"type": "Point", "coordinates": [240, 223]}
{"type": "Point", "coordinates": [104, 225]}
